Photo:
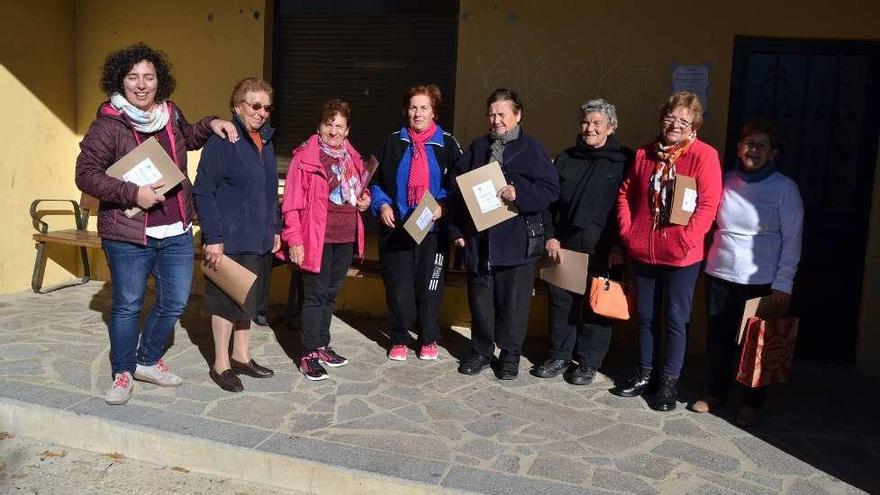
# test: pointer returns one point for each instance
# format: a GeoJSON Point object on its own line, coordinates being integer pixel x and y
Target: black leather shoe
{"type": "Point", "coordinates": [508, 371]}
{"type": "Point", "coordinates": [251, 368]}
{"type": "Point", "coordinates": [637, 385]}
{"type": "Point", "coordinates": [227, 380]}
{"type": "Point", "coordinates": [580, 375]}
{"type": "Point", "coordinates": [474, 364]}
{"type": "Point", "coordinates": [666, 395]}
{"type": "Point", "coordinates": [261, 320]}
{"type": "Point", "coordinates": [550, 368]}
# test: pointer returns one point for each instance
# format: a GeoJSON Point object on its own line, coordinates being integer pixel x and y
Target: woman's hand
{"type": "Point", "coordinates": [437, 213]}
{"type": "Point", "coordinates": [386, 215]}
{"type": "Point", "coordinates": [225, 129]}
{"type": "Point", "coordinates": [213, 253]}
{"type": "Point", "coordinates": [780, 301]}
{"type": "Point", "coordinates": [507, 193]}
{"type": "Point", "coordinates": [616, 257]}
{"type": "Point", "coordinates": [554, 250]}
{"type": "Point", "coordinates": [276, 243]}
{"type": "Point", "coordinates": [459, 242]}
{"type": "Point", "coordinates": [147, 197]}
{"type": "Point", "coordinates": [297, 253]}
{"type": "Point", "coordinates": [363, 201]}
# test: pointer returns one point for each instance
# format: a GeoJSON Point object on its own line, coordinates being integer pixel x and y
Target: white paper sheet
{"type": "Point", "coordinates": [143, 173]}
{"type": "Point", "coordinates": [424, 219]}
{"type": "Point", "coordinates": [689, 200]}
{"type": "Point", "coordinates": [487, 196]}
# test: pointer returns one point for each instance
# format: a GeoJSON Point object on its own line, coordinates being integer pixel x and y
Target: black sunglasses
{"type": "Point", "coordinates": [259, 106]}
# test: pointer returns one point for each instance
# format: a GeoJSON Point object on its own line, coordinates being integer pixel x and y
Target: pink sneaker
{"type": "Point", "coordinates": [428, 351]}
{"type": "Point", "coordinates": [397, 352]}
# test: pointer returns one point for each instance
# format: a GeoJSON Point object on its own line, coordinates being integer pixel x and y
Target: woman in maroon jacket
{"type": "Point", "coordinates": [667, 257]}
{"type": "Point", "coordinates": [158, 239]}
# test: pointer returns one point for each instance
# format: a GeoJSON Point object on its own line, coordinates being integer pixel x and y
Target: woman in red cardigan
{"type": "Point", "coordinates": [667, 257]}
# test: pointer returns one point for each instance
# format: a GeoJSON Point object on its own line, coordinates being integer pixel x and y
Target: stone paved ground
{"type": "Point", "coordinates": [422, 421]}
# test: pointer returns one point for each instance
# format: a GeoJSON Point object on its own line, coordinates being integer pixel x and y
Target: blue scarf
{"type": "Point", "coordinates": [762, 173]}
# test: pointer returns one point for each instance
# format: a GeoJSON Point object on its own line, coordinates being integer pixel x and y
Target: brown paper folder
{"type": "Point", "coordinates": [369, 170]}
{"type": "Point", "coordinates": [146, 164]}
{"type": "Point", "coordinates": [570, 275]}
{"type": "Point", "coordinates": [420, 220]}
{"type": "Point", "coordinates": [684, 200]}
{"type": "Point", "coordinates": [479, 188]}
{"type": "Point", "coordinates": [233, 279]}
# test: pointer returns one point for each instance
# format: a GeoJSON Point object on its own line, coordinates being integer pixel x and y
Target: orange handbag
{"type": "Point", "coordinates": [767, 351]}
{"type": "Point", "coordinates": [609, 299]}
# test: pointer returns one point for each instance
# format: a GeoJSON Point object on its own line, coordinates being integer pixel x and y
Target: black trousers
{"type": "Point", "coordinates": [499, 303]}
{"type": "Point", "coordinates": [413, 277]}
{"type": "Point", "coordinates": [725, 302]}
{"type": "Point", "coordinates": [575, 331]}
{"type": "Point", "coordinates": [320, 290]}
{"type": "Point", "coordinates": [264, 283]}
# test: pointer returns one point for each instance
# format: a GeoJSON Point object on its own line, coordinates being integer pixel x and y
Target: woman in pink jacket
{"type": "Point", "coordinates": [667, 257]}
{"type": "Point", "coordinates": [324, 195]}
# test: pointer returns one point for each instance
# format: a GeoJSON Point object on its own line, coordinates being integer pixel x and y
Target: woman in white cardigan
{"type": "Point", "coordinates": [755, 252]}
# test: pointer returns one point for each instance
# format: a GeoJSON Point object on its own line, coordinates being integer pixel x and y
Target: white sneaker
{"type": "Point", "coordinates": [158, 374]}
{"type": "Point", "coordinates": [120, 391]}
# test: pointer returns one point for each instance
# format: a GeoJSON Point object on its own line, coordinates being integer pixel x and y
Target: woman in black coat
{"type": "Point", "coordinates": [582, 219]}
{"type": "Point", "coordinates": [501, 271]}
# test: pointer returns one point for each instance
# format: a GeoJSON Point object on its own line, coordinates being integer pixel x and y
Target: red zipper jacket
{"type": "Point", "coordinates": [672, 245]}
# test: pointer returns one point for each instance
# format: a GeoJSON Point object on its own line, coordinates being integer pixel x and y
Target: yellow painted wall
{"type": "Point", "coordinates": [37, 94]}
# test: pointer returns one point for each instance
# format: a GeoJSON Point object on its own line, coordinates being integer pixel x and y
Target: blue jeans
{"type": "Point", "coordinates": [652, 283]}
{"type": "Point", "coordinates": [170, 261]}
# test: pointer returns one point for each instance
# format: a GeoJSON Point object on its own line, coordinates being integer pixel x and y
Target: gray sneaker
{"type": "Point", "coordinates": [158, 374]}
{"type": "Point", "coordinates": [120, 391]}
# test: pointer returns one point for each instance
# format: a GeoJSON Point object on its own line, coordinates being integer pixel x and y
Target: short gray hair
{"type": "Point", "coordinates": [601, 106]}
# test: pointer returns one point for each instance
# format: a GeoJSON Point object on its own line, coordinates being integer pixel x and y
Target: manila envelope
{"type": "Point", "coordinates": [479, 188]}
{"type": "Point", "coordinates": [570, 275]}
{"type": "Point", "coordinates": [684, 200]}
{"type": "Point", "coordinates": [146, 164]}
{"type": "Point", "coordinates": [420, 220]}
{"type": "Point", "coordinates": [232, 278]}
{"type": "Point", "coordinates": [760, 307]}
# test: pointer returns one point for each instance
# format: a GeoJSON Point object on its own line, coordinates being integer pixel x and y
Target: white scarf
{"type": "Point", "coordinates": [143, 122]}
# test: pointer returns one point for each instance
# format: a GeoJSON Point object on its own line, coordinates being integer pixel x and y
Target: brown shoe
{"type": "Point", "coordinates": [251, 368]}
{"type": "Point", "coordinates": [227, 380]}
{"type": "Point", "coordinates": [706, 404]}
{"type": "Point", "coordinates": [746, 416]}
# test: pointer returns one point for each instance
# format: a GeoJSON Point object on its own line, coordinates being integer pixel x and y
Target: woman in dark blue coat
{"type": "Point", "coordinates": [236, 196]}
{"type": "Point", "coordinates": [501, 271]}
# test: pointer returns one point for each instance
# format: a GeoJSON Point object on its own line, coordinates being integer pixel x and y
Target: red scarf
{"type": "Point", "coordinates": [419, 178]}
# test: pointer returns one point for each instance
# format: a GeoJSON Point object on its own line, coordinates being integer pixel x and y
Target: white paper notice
{"type": "Point", "coordinates": [692, 78]}
{"type": "Point", "coordinates": [143, 173]}
{"type": "Point", "coordinates": [689, 200]}
{"type": "Point", "coordinates": [487, 196]}
{"type": "Point", "coordinates": [423, 221]}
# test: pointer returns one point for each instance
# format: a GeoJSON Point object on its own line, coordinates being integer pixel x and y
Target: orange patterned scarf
{"type": "Point", "coordinates": [664, 176]}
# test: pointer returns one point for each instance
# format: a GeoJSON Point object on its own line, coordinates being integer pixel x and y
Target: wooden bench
{"type": "Point", "coordinates": [80, 236]}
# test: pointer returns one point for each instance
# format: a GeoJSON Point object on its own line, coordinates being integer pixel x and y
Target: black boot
{"type": "Point", "coordinates": [666, 396]}
{"type": "Point", "coordinates": [635, 385]}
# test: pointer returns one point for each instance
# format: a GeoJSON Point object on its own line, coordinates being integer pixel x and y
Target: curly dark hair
{"type": "Point", "coordinates": [331, 108]}
{"type": "Point", "coordinates": [119, 63]}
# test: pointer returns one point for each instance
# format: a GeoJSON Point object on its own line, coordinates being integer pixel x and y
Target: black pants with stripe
{"type": "Point", "coordinates": [413, 276]}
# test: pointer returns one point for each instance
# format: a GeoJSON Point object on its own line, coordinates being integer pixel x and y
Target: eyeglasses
{"type": "Point", "coordinates": [755, 145]}
{"type": "Point", "coordinates": [259, 106]}
{"type": "Point", "coordinates": [670, 120]}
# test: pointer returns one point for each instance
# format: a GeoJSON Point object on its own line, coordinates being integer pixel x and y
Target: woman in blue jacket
{"type": "Point", "coordinates": [501, 270]}
{"type": "Point", "coordinates": [414, 160]}
{"type": "Point", "coordinates": [236, 197]}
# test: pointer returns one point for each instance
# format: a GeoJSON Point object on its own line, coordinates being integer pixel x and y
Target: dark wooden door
{"type": "Point", "coordinates": [825, 96]}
